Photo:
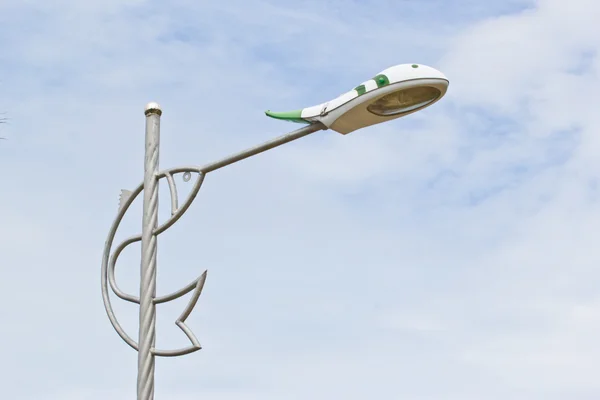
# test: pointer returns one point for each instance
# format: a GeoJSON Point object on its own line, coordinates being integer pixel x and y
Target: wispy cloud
{"type": "Point", "coordinates": [450, 254]}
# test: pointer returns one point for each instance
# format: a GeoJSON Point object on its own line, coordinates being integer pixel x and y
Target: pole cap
{"type": "Point", "coordinates": [153, 108]}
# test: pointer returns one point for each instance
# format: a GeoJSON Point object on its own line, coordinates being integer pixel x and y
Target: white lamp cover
{"type": "Point", "coordinates": [349, 112]}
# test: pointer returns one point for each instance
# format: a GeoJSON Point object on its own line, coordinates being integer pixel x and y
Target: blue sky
{"type": "Point", "coordinates": [447, 255]}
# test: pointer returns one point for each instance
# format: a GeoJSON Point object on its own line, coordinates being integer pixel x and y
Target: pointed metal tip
{"type": "Point", "coordinates": [123, 197]}
{"type": "Point", "coordinates": [153, 108]}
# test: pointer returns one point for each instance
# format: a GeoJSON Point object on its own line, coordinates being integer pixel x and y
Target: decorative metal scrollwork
{"type": "Point", "coordinates": [109, 259]}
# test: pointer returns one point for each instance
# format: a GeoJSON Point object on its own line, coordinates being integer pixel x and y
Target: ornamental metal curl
{"type": "Point", "coordinates": [109, 260]}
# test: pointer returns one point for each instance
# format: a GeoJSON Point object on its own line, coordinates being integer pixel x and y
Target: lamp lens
{"type": "Point", "coordinates": [404, 101]}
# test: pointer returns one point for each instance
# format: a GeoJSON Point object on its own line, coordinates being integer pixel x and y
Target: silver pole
{"type": "Point", "coordinates": [148, 299]}
{"type": "Point", "coordinates": [147, 331]}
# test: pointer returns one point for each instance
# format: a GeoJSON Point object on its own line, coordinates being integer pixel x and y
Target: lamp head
{"type": "Point", "coordinates": [395, 92]}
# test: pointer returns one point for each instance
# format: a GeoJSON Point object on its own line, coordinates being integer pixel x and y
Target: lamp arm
{"type": "Point", "coordinates": [271, 144]}
{"type": "Point", "coordinates": [177, 210]}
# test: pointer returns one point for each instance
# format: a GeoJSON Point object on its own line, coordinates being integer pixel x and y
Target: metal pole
{"type": "Point", "coordinates": [150, 230]}
{"type": "Point", "coordinates": [147, 331]}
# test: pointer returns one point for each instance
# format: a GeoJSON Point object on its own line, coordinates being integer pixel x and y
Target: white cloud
{"type": "Point", "coordinates": [448, 255]}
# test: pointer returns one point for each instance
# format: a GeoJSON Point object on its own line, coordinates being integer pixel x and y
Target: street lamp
{"type": "Point", "coordinates": [393, 93]}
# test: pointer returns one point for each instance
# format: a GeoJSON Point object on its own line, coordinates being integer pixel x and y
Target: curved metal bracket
{"type": "Point", "coordinates": [109, 261]}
